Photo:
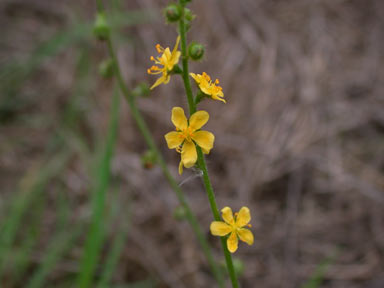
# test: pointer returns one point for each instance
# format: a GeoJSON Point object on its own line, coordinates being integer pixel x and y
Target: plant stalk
{"type": "Point", "coordinates": [201, 160]}
{"type": "Point", "coordinates": [191, 218]}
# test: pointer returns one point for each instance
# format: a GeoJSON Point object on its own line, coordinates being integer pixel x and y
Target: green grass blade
{"type": "Point", "coordinates": [35, 186]}
{"type": "Point", "coordinates": [118, 244]}
{"type": "Point", "coordinates": [59, 246]}
{"type": "Point", "coordinates": [318, 276]}
{"type": "Point", "coordinates": [102, 176]}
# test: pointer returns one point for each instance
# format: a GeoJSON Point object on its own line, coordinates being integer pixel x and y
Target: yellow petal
{"type": "Point", "coordinates": [166, 55]}
{"type": "Point", "coordinates": [158, 82]}
{"type": "Point", "coordinates": [176, 45]}
{"type": "Point", "coordinates": [243, 217]}
{"type": "Point", "coordinates": [195, 77]}
{"type": "Point", "coordinates": [227, 215]}
{"type": "Point", "coordinates": [232, 242]}
{"type": "Point", "coordinates": [188, 154]}
{"type": "Point", "coordinates": [178, 118]}
{"type": "Point", "coordinates": [204, 139]}
{"type": "Point", "coordinates": [219, 228]}
{"type": "Point", "coordinates": [173, 139]}
{"type": "Point", "coordinates": [198, 119]}
{"type": "Point", "coordinates": [245, 235]}
{"type": "Point", "coordinates": [181, 167]}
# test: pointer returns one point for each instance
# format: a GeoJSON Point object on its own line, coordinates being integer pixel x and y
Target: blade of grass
{"type": "Point", "coordinates": [118, 243]}
{"type": "Point", "coordinates": [318, 276]}
{"type": "Point", "coordinates": [63, 241]}
{"type": "Point", "coordinates": [32, 186]}
{"type": "Point", "coordinates": [30, 235]}
{"type": "Point", "coordinates": [95, 238]}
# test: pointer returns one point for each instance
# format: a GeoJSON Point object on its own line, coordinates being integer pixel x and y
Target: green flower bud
{"type": "Point", "coordinates": [188, 15]}
{"type": "Point", "coordinates": [196, 51]}
{"type": "Point", "coordinates": [179, 213]}
{"type": "Point", "coordinates": [141, 90]}
{"type": "Point", "coordinates": [148, 159]}
{"type": "Point", "coordinates": [101, 27]}
{"type": "Point", "coordinates": [238, 265]}
{"type": "Point", "coordinates": [172, 12]}
{"type": "Point", "coordinates": [106, 68]}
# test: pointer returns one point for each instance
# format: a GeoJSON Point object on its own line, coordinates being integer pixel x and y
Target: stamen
{"type": "Point", "coordinates": [159, 48]}
{"type": "Point", "coordinates": [249, 225]}
{"type": "Point", "coordinates": [217, 81]}
{"type": "Point", "coordinates": [152, 58]}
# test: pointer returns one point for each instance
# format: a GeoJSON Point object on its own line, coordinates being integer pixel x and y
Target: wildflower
{"type": "Point", "coordinates": [208, 87]}
{"type": "Point", "coordinates": [187, 135]}
{"type": "Point", "coordinates": [168, 60]}
{"type": "Point", "coordinates": [234, 227]}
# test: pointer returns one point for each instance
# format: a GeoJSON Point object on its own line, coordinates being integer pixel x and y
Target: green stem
{"type": "Point", "coordinates": [160, 160]}
{"type": "Point", "coordinates": [201, 159]}
{"type": "Point", "coordinates": [184, 60]}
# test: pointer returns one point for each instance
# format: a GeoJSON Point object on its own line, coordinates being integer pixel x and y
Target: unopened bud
{"type": "Point", "coordinates": [148, 159]}
{"type": "Point", "coordinates": [100, 27]}
{"type": "Point", "coordinates": [172, 12]}
{"type": "Point", "coordinates": [179, 213]}
{"type": "Point", "coordinates": [141, 90]}
{"type": "Point", "coordinates": [196, 51]}
{"type": "Point", "coordinates": [106, 68]}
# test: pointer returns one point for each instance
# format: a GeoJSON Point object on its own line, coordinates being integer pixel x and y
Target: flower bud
{"type": "Point", "coordinates": [188, 15]}
{"type": "Point", "coordinates": [148, 159]}
{"type": "Point", "coordinates": [172, 12]}
{"type": "Point", "coordinates": [196, 51]}
{"type": "Point", "coordinates": [106, 68]}
{"type": "Point", "coordinates": [179, 213]}
{"type": "Point", "coordinates": [238, 265]}
{"type": "Point", "coordinates": [100, 27]}
{"type": "Point", "coordinates": [141, 90]}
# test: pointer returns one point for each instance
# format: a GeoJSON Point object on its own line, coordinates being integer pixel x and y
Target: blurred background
{"type": "Point", "coordinates": [300, 142]}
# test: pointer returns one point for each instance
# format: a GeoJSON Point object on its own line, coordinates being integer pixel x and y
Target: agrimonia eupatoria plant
{"type": "Point", "coordinates": [188, 139]}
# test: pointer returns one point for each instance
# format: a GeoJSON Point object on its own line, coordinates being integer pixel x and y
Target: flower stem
{"type": "Point", "coordinates": [191, 218]}
{"type": "Point", "coordinates": [200, 155]}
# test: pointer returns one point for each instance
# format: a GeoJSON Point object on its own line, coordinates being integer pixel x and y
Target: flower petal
{"type": "Point", "coordinates": [195, 77]}
{"type": "Point", "coordinates": [178, 118]}
{"type": "Point", "coordinates": [198, 119]}
{"type": "Point", "coordinates": [227, 215]}
{"type": "Point", "coordinates": [181, 167]}
{"type": "Point", "coordinates": [243, 217]}
{"type": "Point", "coordinates": [232, 242]}
{"type": "Point", "coordinates": [219, 228]}
{"type": "Point", "coordinates": [188, 154]}
{"type": "Point", "coordinates": [158, 82]}
{"type": "Point", "coordinates": [204, 139]}
{"type": "Point", "coordinates": [245, 235]}
{"type": "Point", "coordinates": [176, 45]}
{"type": "Point", "coordinates": [173, 139]}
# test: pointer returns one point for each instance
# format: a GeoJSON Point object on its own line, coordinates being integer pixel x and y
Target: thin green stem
{"type": "Point", "coordinates": [201, 159]}
{"type": "Point", "coordinates": [184, 60]}
{"type": "Point", "coordinates": [130, 98]}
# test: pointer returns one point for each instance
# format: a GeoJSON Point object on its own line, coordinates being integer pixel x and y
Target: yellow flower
{"type": "Point", "coordinates": [208, 87]}
{"type": "Point", "coordinates": [168, 60]}
{"type": "Point", "coordinates": [234, 226]}
{"type": "Point", "coordinates": [187, 135]}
